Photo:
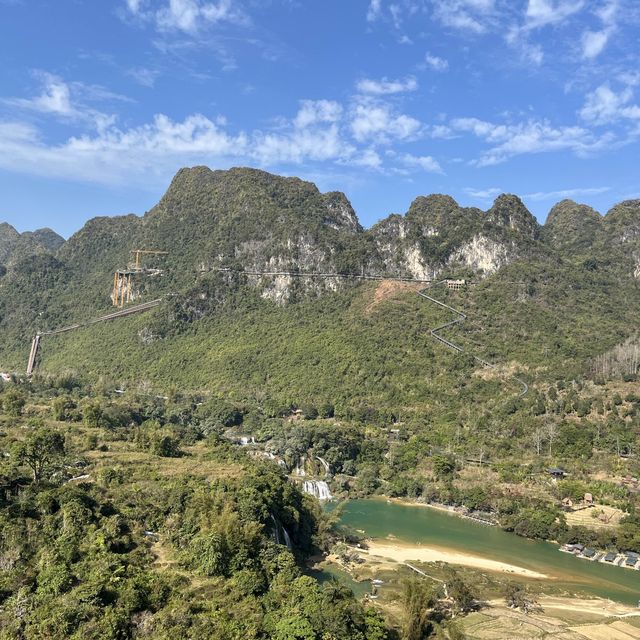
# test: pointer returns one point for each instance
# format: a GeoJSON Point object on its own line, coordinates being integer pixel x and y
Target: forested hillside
{"type": "Point", "coordinates": [123, 497]}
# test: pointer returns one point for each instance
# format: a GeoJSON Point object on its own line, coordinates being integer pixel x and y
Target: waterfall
{"type": "Point", "coordinates": [299, 470]}
{"type": "Point", "coordinates": [276, 529]}
{"type": "Point", "coordinates": [325, 464]}
{"type": "Point", "coordinates": [276, 533]}
{"type": "Point", "coordinates": [287, 539]}
{"type": "Point", "coordinates": [317, 488]}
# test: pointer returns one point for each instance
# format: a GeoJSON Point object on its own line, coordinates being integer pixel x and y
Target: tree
{"type": "Point", "coordinates": [40, 450]}
{"type": "Point", "coordinates": [443, 467]}
{"type": "Point", "coordinates": [13, 402]}
{"type": "Point", "coordinates": [166, 446]}
{"type": "Point", "coordinates": [463, 598]}
{"type": "Point", "coordinates": [419, 598]}
{"type": "Point", "coordinates": [517, 596]}
{"type": "Point", "coordinates": [93, 414]}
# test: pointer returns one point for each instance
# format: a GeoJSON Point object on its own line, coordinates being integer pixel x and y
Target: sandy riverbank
{"type": "Point", "coordinates": [417, 553]}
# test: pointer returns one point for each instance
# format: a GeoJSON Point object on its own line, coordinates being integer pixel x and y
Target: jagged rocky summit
{"type": "Point", "coordinates": [250, 219]}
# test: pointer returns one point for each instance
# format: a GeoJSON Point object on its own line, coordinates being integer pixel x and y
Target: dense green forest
{"type": "Point", "coordinates": [127, 513]}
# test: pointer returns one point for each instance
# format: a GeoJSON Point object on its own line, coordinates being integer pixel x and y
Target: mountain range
{"type": "Point", "coordinates": [575, 266]}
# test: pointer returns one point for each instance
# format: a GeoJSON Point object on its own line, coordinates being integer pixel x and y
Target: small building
{"type": "Point", "coordinates": [632, 559]}
{"type": "Point", "coordinates": [455, 285]}
{"type": "Point", "coordinates": [610, 557]}
{"type": "Point", "coordinates": [567, 503]}
{"type": "Point", "coordinates": [578, 548]}
{"type": "Point", "coordinates": [556, 472]}
{"type": "Point", "coordinates": [588, 498]}
{"type": "Point", "coordinates": [589, 553]}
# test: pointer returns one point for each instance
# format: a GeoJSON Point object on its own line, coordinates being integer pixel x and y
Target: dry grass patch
{"type": "Point", "coordinates": [596, 517]}
{"type": "Point", "coordinates": [390, 290]}
{"type": "Point", "coordinates": [616, 631]}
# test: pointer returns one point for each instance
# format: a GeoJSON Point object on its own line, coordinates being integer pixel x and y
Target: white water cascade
{"type": "Point", "coordinates": [299, 470]}
{"type": "Point", "coordinates": [276, 529]}
{"type": "Point", "coordinates": [287, 539]}
{"type": "Point", "coordinates": [276, 533]}
{"type": "Point", "coordinates": [325, 464]}
{"type": "Point", "coordinates": [318, 488]}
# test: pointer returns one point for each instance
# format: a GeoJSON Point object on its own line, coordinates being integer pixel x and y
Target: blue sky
{"type": "Point", "coordinates": [102, 102]}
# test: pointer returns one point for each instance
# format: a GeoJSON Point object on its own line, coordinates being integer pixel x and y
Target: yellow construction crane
{"type": "Point", "coordinates": [122, 291]}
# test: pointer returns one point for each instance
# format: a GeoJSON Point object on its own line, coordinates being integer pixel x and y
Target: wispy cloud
{"type": "Point", "coordinates": [541, 13]}
{"type": "Point", "coordinates": [594, 42]}
{"type": "Point", "coordinates": [144, 76]}
{"type": "Point", "coordinates": [471, 16]}
{"type": "Point", "coordinates": [68, 101]}
{"type": "Point", "coordinates": [604, 105]}
{"type": "Point", "coordinates": [377, 121]}
{"type": "Point", "coordinates": [530, 137]}
{"type": "Point", "coordinates": [55, 97]}
{"type": "Point", "coordinates": [436, 63]}
{"type": "Point", "coordinates": [322, 131]}
{"type": "Point", "coordinates": [386, 86]}
{"type": "Point", "coordinates": [374, 11]}
{"type": "Point", "coordinates": [426, 163]}
{"type": "Point", "coordinates": [188, 16]}
{"type": "Point", "coordinates": [566, 193]}
{"type": "Point", "coordinates": [484, 194]}
{"type": "Point", "coordinates": [317, 111]}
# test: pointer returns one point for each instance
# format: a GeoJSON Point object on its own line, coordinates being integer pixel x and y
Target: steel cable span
{"type": "Point", "coordinates": [461, 317]}
{"type": "Point", "coordinates": [139, 308]}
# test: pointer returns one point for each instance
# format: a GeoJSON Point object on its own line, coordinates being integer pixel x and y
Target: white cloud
{"type": "Point", "coordinates": [142, 75]}
{"type": "Point", "coordinates": [484, 194]}
{"type": "Point", "coordinates": [368, 158]}
{"type": "Point", "coordinates": [54, 99]}
{"type": "Point", "coordinates": [68, 101]}
{"type": "Point", "coordinates": [188, 16]}
{"type": "Point", "coordinates": [425, 163]}
{"type": "Point", "coordinates": [385, 86]}
{"type": "Point", "coordinates": [594, 42]}
{"type": "Point", "coordinates": [565, 193]}
{"type": "Point", "coordinates": [541, 13]}
{"type": "Point", "coordinates": [605, 105]}
{"type": "Point", "coordinates": [375, 121]}
{"type": "Point", "coordinates": [316, 111]}
{"type": "Point", "coordinates": [466, 15]}
{"type": "Point", "coordinates": [374, 11]}
{"type": "Point", "coordinates": [135, 6]}
{"type": "Point", "coordinates": [532, 136]}
{"type": "Point", "coordinates": [436, 63]}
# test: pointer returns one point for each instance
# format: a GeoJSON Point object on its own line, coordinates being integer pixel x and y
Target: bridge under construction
{"type": "Point", "coordinates": [140, 308]}
{"type": "Point", "coordinates": [35, 344]}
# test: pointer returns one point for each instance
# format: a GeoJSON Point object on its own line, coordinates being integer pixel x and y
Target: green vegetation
{"type": "Point", "coordinates": [337, 369]}
{"type": "Point", "coordinates": [105, 542]}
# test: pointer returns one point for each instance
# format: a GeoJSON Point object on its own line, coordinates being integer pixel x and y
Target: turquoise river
{"type": "Point", "coordinates": [418, 524]}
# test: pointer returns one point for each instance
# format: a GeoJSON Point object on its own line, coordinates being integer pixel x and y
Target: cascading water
{"type": "Point", "coordinates": [276, 529]}
{"type": "Point", "coordinates": [287, 539]}
{"type": "Point", "coordinates": [325, 464]}
{"type": "Point", "coordinates": [276, 533]}
{"type": "Point", "coordinates": [299, 470]}
{"type": "Point", "coordinates": [318, 488]}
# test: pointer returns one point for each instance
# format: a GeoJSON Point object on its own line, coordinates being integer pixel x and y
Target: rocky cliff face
{"type": "Point", "coordinates": [621, 230]}
{"type": "Point", "coordinates": [252, 220]}
{"type": "Point", "coordinates": [437, 236]}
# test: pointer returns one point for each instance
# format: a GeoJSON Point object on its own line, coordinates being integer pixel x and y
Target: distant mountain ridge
{"type": "Point", "coordinates": [15, 246]}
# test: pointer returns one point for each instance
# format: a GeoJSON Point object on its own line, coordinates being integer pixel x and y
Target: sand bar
{"type": "Point", "coordinates": [407, 553]}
